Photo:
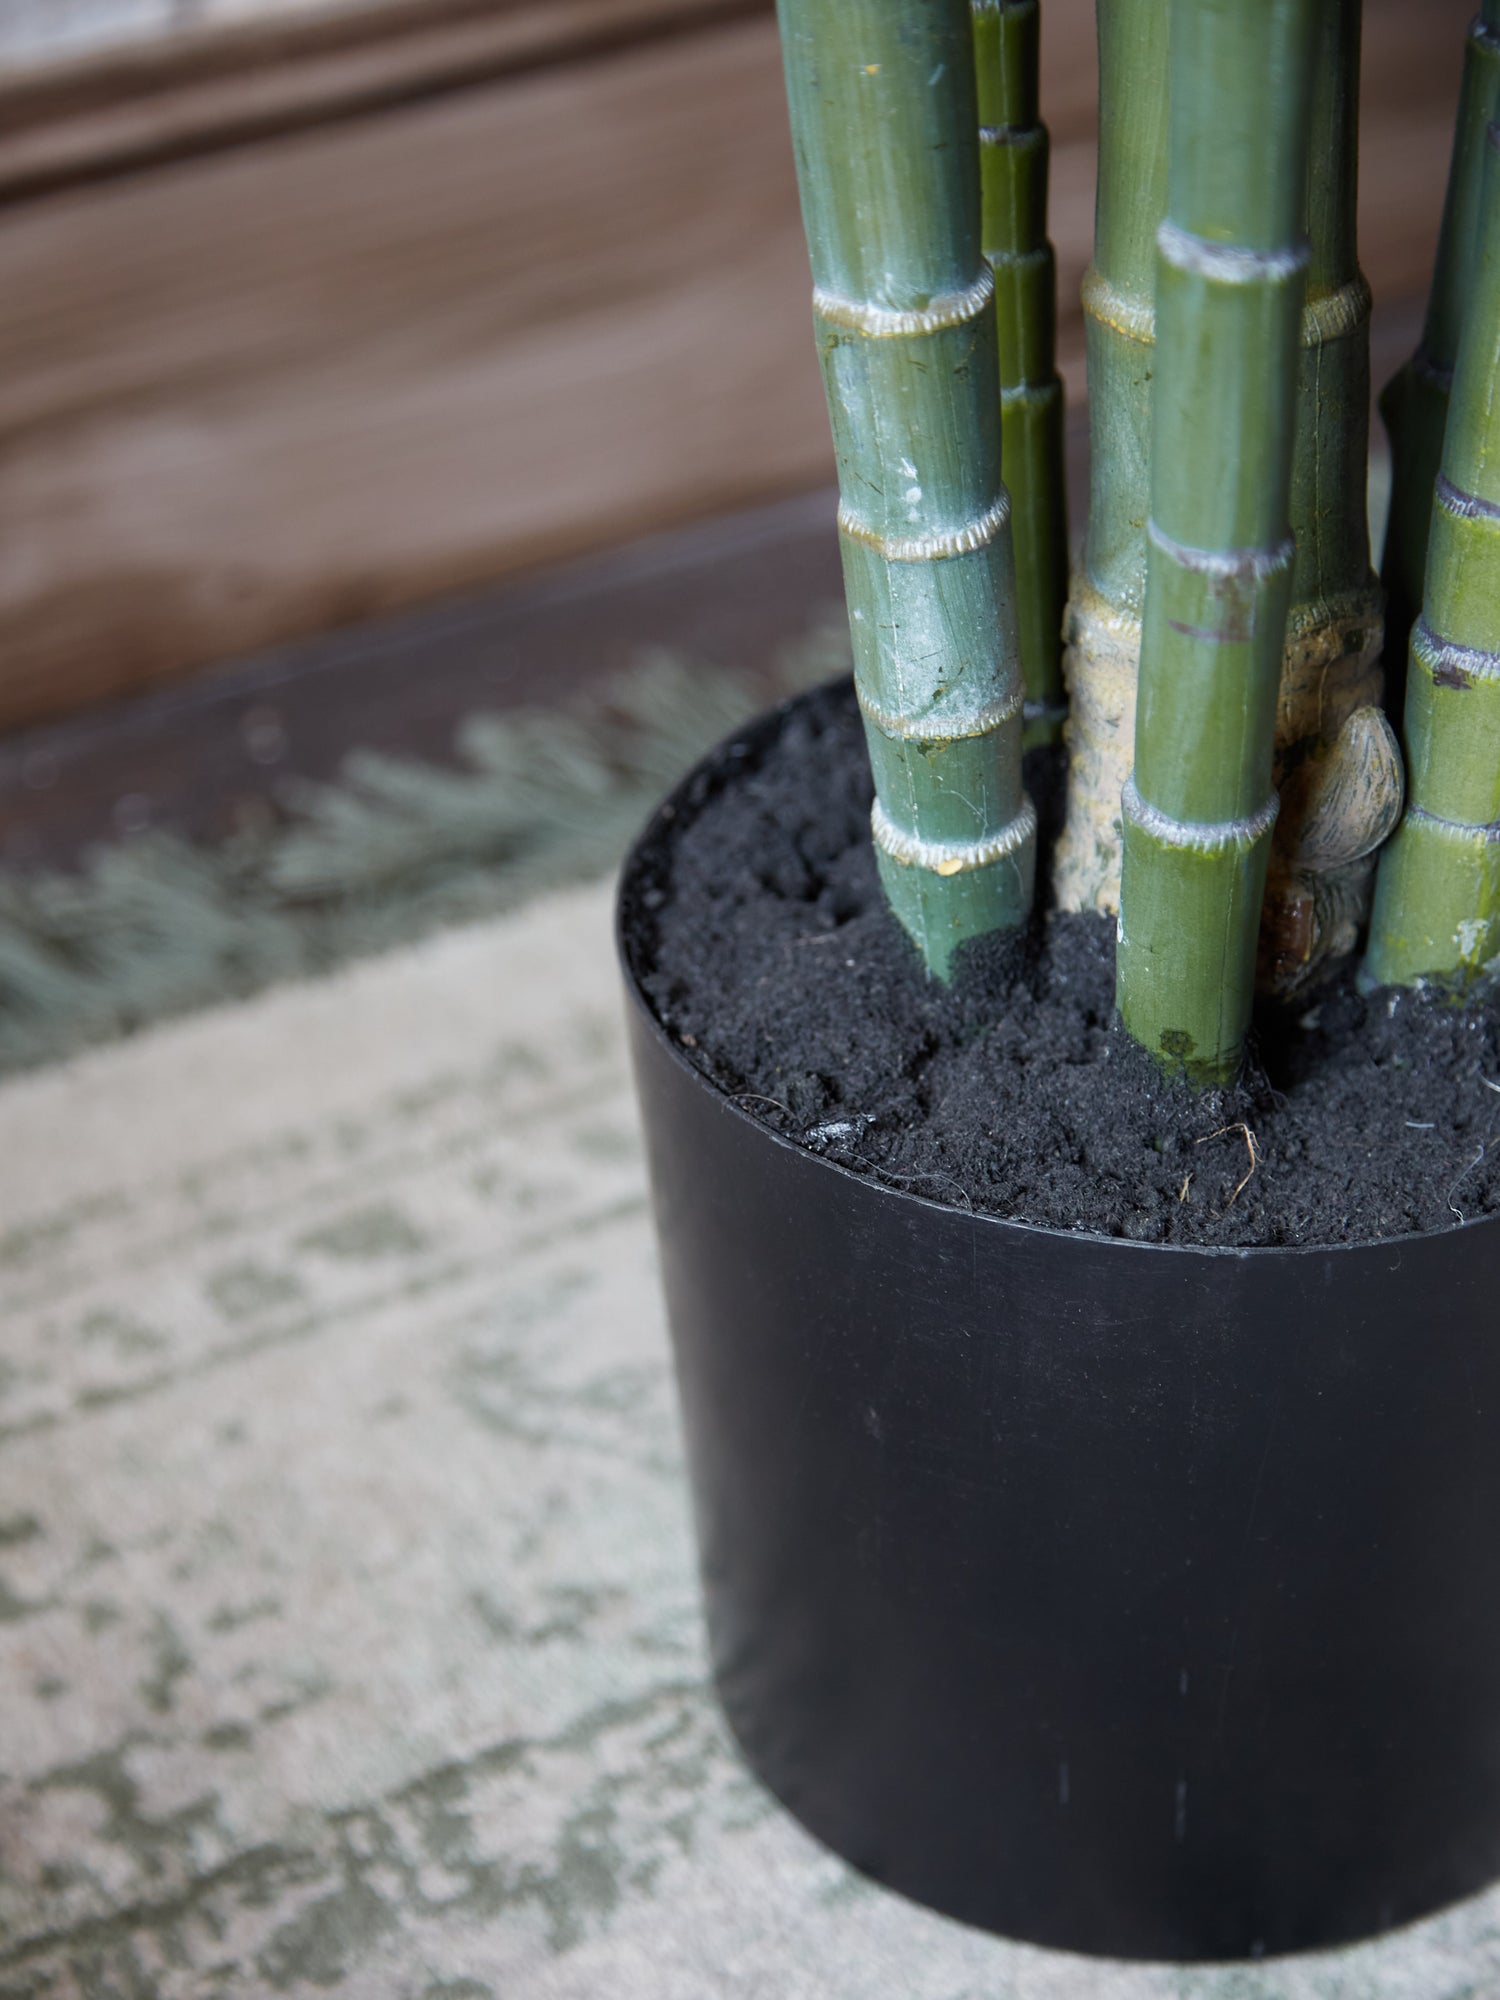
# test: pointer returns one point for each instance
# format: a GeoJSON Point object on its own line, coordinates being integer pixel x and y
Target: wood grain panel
{"type": "Point", "coordinates": [204, 89]}
{"type": "Point", "coordinates": [282, 388]}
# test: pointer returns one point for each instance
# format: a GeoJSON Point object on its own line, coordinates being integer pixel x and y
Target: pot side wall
{"type": "Point", "coordinates": [1124, 1598]}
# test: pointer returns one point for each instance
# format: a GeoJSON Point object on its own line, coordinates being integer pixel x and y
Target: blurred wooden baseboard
{"type": "Point", "coordinates": [202, 89]}
{"type": "Point", "coordinates": [227, 749]}
{"type": "Point", "coordinates": [335, 320]}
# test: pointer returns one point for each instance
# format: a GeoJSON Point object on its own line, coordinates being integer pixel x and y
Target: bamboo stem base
{"type": "Point", "coordinates": [1337, 769]}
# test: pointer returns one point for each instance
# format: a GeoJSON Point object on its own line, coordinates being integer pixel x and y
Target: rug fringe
{"type": "Point", "coordinates": [157, 925]}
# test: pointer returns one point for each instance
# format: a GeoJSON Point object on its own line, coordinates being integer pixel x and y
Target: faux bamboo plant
{"type": "Point", "coordinates": [850, 1353]}
{"type": "Point", "coordinates": [1228, 357]}
{"type": "Point", "coordinates": [1437, 902]}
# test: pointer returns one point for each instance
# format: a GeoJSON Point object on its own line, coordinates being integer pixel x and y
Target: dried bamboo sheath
{"type": "Point", "coordinates": [1335, 762]}
{"type": "Point", "coordinates": [1013, 178]}
{"type": "Point", "coordinates": [884, 123]}
{"type": "Point", "coordinates": [1437, 905]}
{"type": "Point", "coordinates": [1231, 271]}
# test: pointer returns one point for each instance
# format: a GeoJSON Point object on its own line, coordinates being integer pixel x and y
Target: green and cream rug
{"type": "Point", "coordinates": [391, 850]}
{"type": "Point", "coordinates": [349, 1638]}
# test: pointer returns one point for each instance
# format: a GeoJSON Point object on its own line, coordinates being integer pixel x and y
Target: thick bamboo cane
{"type": "Point", "coordinates": [885, 126]}
{"type": "Point", "coordinates": [1414, 403]}
{"type": "Point", "coordinates": [1437, 900]}
{"type": "Point", "coordinates": [1013, 152]}
{"type": "Point", "coordinates": [1231, 270]}
{"type": "Point", "coordinates": [1336, 758]}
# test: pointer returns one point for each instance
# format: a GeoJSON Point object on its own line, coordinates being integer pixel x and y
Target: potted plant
{"type": "Point", "coordinates": [1096, 1472]}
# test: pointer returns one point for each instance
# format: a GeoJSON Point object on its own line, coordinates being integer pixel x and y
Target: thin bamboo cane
{"type": "Point", "coordinates": [1437, 899]}
{"type": "Point", "coordinates": [885, 127]}
{"type": "Point", "coordinates": [1231, 270]}
{"type": "Point", "coordinates": [1013, 154]}
{"type": "Point", "coordinates": [1414, 403]}
{"type": "Point", "coordinates": [1103, 619]}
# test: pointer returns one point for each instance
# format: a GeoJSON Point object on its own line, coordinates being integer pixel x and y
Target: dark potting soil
{"type": "Point", "coordinates": [765, 945]}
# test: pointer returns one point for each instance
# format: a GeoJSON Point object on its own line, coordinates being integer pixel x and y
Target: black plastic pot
{"type": "Point", "coordinates": [1130, 1599]}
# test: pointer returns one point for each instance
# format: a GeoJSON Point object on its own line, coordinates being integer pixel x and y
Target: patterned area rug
{"type": "Point", "coordinates": [349, 1638]}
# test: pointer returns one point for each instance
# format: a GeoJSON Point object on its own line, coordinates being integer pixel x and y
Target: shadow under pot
{"type": "Point", "coordinates": [1130, 1599]}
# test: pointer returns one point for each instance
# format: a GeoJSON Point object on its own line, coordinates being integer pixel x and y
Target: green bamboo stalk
{"type": "Point", "coordinates": [1231, 268]}
{"type": "Point", "coordinates": [1104, 609]}
{"type": "Point", "coordinates": [1414, 403]}
{"type": "Point", "coordinates": [1337, 768]}
{"type": "Point", "coordinates": [1437, 898]}
{"type": "Point", "coordinates": [885, 127]}
{"type": "Point", "coordinates": [1013, 154]}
